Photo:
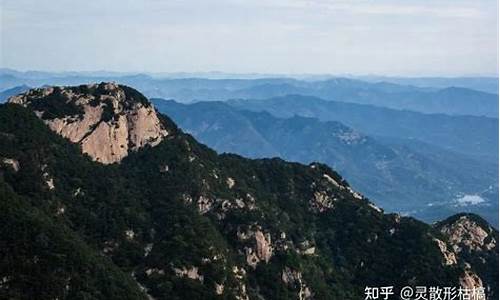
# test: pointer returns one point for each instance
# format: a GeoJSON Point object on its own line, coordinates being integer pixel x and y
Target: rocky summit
{"type": "Point", "coordinates": [104, 198]}
{"type": "Point", "coordinates": [107, 120]}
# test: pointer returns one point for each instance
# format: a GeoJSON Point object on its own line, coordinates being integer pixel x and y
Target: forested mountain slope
{"type": "Point", "coordinates": [171, 219]}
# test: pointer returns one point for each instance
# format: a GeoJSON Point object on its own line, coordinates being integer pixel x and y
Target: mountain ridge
{"type": "Point", "coordinates": [470, 135]}
{"type": "Point", "coordinates": [184, 222]}
{"type": "Point", "coordinates": [398, 176]}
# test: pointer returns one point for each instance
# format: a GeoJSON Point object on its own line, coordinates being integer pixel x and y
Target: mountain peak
{"type": "Point", "coordinates": [468, 231]}
{"type": "Point", "coordinates": [107, 120]}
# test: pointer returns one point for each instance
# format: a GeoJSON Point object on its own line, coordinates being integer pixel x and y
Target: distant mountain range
{"type": "Point", "coordinates": [483, 84]}
{"type": "Point", "coordinates": [434, 96]}
{"type": "Point", "coordinates": [488, 84]}
{"type": "Point", "coordinates": [471, 135]}
{"type": "Point", "coordinates": [405, 175]}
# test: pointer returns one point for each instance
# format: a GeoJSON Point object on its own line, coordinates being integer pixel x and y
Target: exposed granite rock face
{"type": "Point", "coordinates": [260, 249]}
{"type": "Point", "coordinates": [11, 163]}
{"type": "Point", "coordinates": [449, 256]}
{"type": "Point", "coordinates": [49, 180]}
{"type": "Point", "coordinates": [321, 201]}
{"type": "Point", "coordinates": [241, 288]}
{"type": "Point", "coordinates": [219, 289]}
{"type": "Point", "coordinates": [204, 204]}
{"type": "Point", "coordinates": [293, 278]}
{"type": "Point", "coordinates": [325, 190]}
{"type": "Point", "coordinates": [306, 248]}
{"type": "Point", "coordinates": [264, 247]}
{"type": "Point", "coordinates": [230, 182]}
{"type": "Point", "coordinates": [107, 120]}
{"type": "Point", "coordinates": [470, 280]}
{"type": "Point", "coordinates": [191, 273]}
{"type": "Point", "coordinates": [467, 234]}
{"type": "Point", "coordinates": [474, 245]}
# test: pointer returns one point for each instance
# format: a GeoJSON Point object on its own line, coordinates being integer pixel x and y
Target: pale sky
{"type": "Point", "coordinates": [385, 37]}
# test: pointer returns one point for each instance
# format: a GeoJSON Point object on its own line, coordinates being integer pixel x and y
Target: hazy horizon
{"type": "Point", "coordinates": [361, 37]}
{"type": "Point", "coordinates": [225, 74]}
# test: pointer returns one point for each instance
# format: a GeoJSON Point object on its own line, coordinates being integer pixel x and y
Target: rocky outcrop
{"type": "Point", "coordinates": [264, 247]}
{"type": "Point", "coordinates": [191, 273]}
{"type": "Point", "coordinates": [293, 279]}
{"type": "Point", "coordinates": [11, 163]}
{"type": "Point", "coordinates": [240, 292]}
{"type": "Point", "coordinates": [259, 247]}
{"type": "Point", "coordinates": [321, 201]}
{"type": "Point", "coordinates": [306, 248]}
{"type": "Point", "coordinates": [107, 120]}
{"type": "Point", "coordinates": [219, 289]}
{"type": "Point", "coordinates": [474, 245]}
{"type": "Point", "coordinates": [465, 233]}
{"type": "Point", "coordinates": [230, 182]}
{"type": "Point", "coordinates": [49, 180]}
{"type": "Point", "coordinates": [470, 280]}
{"type": "Point", "coordinates": [205, 204]}
{"type": "Point", "coordinates": [449, 257]}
